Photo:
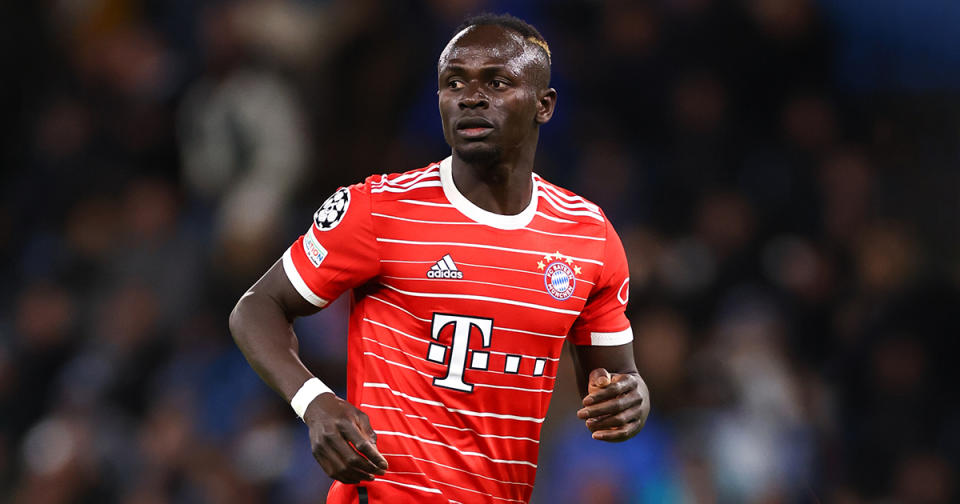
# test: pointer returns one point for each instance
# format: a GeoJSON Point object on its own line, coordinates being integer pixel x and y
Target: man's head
{"type": "Point", "coordinates": [493, 80]}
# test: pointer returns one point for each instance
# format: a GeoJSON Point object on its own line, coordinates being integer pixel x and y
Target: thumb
{"type": "Point", "coordinates": [599, 378]}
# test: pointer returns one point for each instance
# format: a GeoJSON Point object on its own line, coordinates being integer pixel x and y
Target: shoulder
{"type": "Point", "coordinates": [422, 183]}
{"type": "Point", "coordinates": [565, 204]}
{"type": "Point", "coordinates": [402, 184]}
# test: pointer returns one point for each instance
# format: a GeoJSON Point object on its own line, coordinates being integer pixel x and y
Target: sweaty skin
{"type": "Point", "coordinates": [493, 96]}
{"type": "Point", "coordinates": [491, 74]}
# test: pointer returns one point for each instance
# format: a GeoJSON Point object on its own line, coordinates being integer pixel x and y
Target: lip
{"type": "Point", "coordinates": [473, 123]}
{"type": "Point", "coordinates": [474, 127]}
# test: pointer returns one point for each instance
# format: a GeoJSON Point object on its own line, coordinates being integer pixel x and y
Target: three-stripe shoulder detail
{"type": "Point", "coordinates": [416, 179]}
{"type": "Point", "coordinates": [568, 205]}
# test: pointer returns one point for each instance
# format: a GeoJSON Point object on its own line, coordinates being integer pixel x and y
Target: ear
{"type": "Point", "coordinates": [546, 103]}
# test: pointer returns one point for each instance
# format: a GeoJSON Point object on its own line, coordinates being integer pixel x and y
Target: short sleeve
{"type": "Point", "coordinates": [338, 252]}
{"type": "Point", "coordinates": [603, 321]}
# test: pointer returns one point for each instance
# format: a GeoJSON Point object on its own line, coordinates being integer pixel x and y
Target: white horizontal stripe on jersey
{"type": "Point", "coordinates": [417, 279]}
{"type": "Point", "coordinates": [555, 219]}
{"type": "Point", "coordinates": [597, 238]}
{"type": "Point", "coordinates": [482, 298]}
{"type": "Point", "coordinates": [394, 217]}
{"type": "Point", "coordinates": [474, 491]}
{"type": "Point", "coordinates": [538, 273]}
{"type": "Point", "coordinates": [430, 402]}
{"type": "Point", "coordinates": [418, 185]}
{"type": "Point", "coordinates": [471, 223]}
{"type": "Point", "coordinates": [398, 331]}
{"type": "Point", "coordinates": [497, 436]}
{"type": "Point", "coordinates": [294, 276]}
{"type": "Point", "coordinates": [560, 207]}
{"type": "Point", "coordinates": [523, 483]}
{"type": "Point", "coordinates": [612, 339]}
{"type": "Point", "coordinates": [409, 178]}
{"type": "Point", "coordinates": [374, 406]}
{"type": "Point", "coordinates": [426, 203]}
{"type": "Point", "coordinates": [575, 200]}
{"type": "Point", "coordinates": [399, 261]}
{"type": "Point", "coordinates": [496, 328]}
{"type": "Point", "coordinates": [416, 473]}
{"type": "Point", "coordinates": [485, 246]}
{"type": "Point", "coordinates": [445, 426]}
{"type": "Point", "coordinates": [454, 448]}
{"type": "Point", "coordinates": [428, 375]}
{"type": "Point", "coordinates": [393, 347]}
{"type": "Point", "coordinates": [418, 487]}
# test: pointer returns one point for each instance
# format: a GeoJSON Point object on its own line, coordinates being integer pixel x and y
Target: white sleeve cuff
{"type": "Point", "coordinates": [298, 282]}
{"type": "Point", "coordinates": [612, 338]}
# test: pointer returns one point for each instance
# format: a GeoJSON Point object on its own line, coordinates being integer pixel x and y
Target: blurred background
{"type": "Point", "coordinates": [783, 173]}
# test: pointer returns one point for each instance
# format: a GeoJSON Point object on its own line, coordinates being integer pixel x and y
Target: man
{"type": "Point", "coordinates": [466, 278]}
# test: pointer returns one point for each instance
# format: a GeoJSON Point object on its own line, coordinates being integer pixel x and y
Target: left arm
{"type": "Point", "coordinates": [615, 398]}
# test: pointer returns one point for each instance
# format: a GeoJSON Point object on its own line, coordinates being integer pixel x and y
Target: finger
{"type": "Point", "coordinates": [371, 452]}
{"type": "Point", "coordinates": [322, 460]}
{"type": "Point", "coordinates": [332, 464]}
{"type": "Point", "coordinates": [373, 461]}
{"type": "Point", "coordinates": [634, 414]}
{"type": "Point", "coordinates": [599, 378]}
{"type": "Point", "coordinates": [611, 406]}
{"type": "Point", "coordinates": [353, 460]}
{"type": "Point", "coordinates": [619, 434]}
{"type": "Point", "coordinates": [619, 384]}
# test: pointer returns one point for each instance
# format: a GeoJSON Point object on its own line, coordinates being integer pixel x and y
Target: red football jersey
{"type": "Point", "coordinates": [457, 320]}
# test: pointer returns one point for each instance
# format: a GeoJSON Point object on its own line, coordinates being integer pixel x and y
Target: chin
{"type": "Point", "coordinates": [478, 153]}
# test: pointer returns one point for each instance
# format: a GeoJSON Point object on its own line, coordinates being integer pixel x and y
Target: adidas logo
{"type": "Point", "coordinates": [445, 268]}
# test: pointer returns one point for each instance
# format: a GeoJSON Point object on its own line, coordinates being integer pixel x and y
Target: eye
{"type": "Point", "coordinates": [455, 84]}
{"type": "Point", "coordinates": [499, 84]}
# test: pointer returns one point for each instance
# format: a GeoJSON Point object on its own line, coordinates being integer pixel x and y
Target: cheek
{"type": "Point", "coordinates": [444, 107]}
{"type": "Point", "coordinates": [523, 112]}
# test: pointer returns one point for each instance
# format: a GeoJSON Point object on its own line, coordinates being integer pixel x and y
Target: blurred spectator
{"type": "Point", "coordinates": [243, 143]}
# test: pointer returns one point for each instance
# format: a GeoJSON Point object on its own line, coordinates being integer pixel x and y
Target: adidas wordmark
{"type": "Point", "coordinates": [445, 268]}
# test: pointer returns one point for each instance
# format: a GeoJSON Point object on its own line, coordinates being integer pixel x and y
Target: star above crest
{"type": "Point", "coordinates": [555, 257]}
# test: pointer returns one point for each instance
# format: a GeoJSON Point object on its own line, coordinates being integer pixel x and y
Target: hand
{"type": "Point", "coordinates": [616, 406]}
{"type": "Point", "coordinates": [334, 425]}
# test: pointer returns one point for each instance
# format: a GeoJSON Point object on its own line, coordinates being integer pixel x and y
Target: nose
{"type": "Point", "coordinates": [473, 97]}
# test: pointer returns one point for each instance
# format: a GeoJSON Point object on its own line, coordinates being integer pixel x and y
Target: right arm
{"type": "Point", "coordinates": [262, 327]}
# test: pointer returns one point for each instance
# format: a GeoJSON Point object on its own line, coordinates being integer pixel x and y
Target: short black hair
{"type": "Point", "coordinates": [509, 22]}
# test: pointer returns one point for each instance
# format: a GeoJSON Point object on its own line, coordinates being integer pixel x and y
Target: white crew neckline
{"type": "Point", "coordinates": [477, 214]}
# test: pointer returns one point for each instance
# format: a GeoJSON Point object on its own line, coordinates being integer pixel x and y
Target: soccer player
{"type": "Point", "coordinates": [466, 277]}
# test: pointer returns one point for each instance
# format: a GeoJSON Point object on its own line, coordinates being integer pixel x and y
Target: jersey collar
{"type": "Point", "coordinates": [477, 214]}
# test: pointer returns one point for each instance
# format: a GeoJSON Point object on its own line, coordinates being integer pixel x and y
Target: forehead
{"type": "Point", "coordinates": [487, 44]}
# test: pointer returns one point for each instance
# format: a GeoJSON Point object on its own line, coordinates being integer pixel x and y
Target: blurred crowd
{"type": "Point", "coordinates": [783, 173]}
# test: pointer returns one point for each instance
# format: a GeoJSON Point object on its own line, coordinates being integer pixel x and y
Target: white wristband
{"type": "Point", "coordinates": [307, 393]}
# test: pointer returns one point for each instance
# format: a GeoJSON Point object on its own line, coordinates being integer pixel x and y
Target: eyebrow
{"type": "Point", "coordinates": [483, 68]}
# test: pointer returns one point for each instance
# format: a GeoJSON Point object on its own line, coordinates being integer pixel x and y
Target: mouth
{"type": "Point", "coordinates": [474, 127]}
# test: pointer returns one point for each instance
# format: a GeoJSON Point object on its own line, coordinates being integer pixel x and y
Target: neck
{"type": "Point", "coordinates": [503, 187]}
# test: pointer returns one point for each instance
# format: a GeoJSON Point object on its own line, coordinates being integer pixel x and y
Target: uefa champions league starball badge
{"type": "Point", "coordinates": [559, 275]}
{"type": "Point", "coordinates": [332, 211]}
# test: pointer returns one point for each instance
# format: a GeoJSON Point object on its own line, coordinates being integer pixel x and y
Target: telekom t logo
{"type": "Point", "coordinates": [462, 327]}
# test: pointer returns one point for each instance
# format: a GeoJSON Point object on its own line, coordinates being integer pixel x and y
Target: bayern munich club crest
{"type": "Point", "coordinates": [559, 275]}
